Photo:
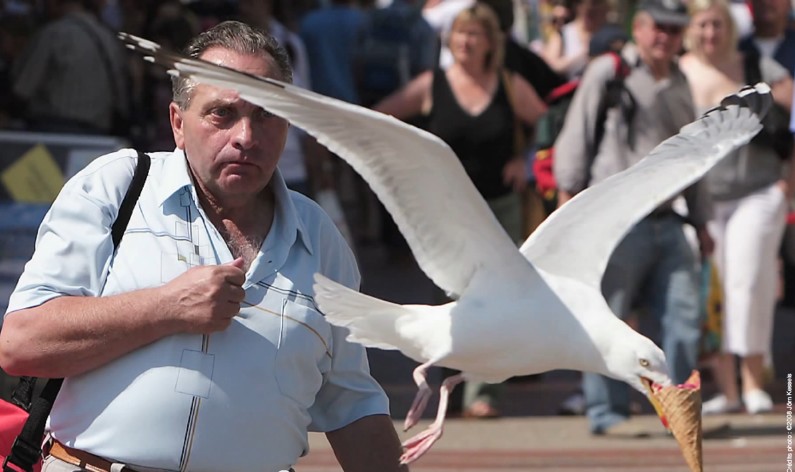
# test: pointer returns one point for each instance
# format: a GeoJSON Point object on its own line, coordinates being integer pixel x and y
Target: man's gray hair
{"type": "Point", "coordinates": [238, 37]}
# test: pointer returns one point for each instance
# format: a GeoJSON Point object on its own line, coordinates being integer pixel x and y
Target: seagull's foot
{"type": "Point", "coordinates": [421, 399]}
{"type": "Point", "coordinates": [417, 407]}
{"type": "Point", "coordinates": [416, 446]}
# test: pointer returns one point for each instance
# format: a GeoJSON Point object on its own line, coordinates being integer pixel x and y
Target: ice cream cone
{"type": "Point", "coordinates": [681, 405]}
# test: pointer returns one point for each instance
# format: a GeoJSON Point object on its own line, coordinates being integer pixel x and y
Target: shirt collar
{"type": "Point", "coordinates": [291, 225]}
{"type": "Point", "coordinates": [175, 177]}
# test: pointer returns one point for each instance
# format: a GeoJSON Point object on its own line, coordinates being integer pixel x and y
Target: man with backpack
{"type": "Point", "coordinates": [654, 264]}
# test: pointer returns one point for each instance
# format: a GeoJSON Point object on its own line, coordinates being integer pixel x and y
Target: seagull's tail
{"type": "Point", "coordinates": [378, 323]}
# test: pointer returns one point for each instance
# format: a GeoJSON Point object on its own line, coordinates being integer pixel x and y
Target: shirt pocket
{"type": "Point", "coordinates": [304, 346]}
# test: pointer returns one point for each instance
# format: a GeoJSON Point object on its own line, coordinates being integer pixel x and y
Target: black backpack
{"type": "Point", "coordinates": [550, 125]}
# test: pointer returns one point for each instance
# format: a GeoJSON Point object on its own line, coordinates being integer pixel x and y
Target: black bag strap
{"type": "Point", "coordinates": [26, 450]}
{"type": "Point", "coordinates": [615, 90]}
{"type": "Point", "coordinates": [130, 198]}
{"type": "Point", "coordinates": [751, 69]}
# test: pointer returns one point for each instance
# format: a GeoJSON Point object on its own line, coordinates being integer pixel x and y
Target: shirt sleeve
{"type": "Point", "coordinates": [349, 392]}
{"type": "Point", "coordinates": [574, 146]}
{"type": "Point", "coordinates": [699, 203]}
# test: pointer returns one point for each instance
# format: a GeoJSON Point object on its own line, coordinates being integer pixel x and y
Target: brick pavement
{"type": "Point", "coordinates": [535, 444]}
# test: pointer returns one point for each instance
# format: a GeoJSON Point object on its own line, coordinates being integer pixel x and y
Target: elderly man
{"type": "Point", "coordinates": [196, 346]}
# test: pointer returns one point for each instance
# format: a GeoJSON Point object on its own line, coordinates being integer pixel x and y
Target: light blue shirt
{"type": "Point", "coordinates": [237, 400]}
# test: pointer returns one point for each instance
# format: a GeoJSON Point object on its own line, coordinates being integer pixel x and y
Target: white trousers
{"type": "Point", "coordinates": [747, 234]}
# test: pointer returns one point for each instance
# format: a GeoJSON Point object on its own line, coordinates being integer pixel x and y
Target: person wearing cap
{"type": "Point", "coordinates": [609, 38]}
{"type": "Point", "coordinates": [653, 265]}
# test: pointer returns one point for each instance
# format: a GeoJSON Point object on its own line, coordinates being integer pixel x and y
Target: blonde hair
{"type": "Point", "coordinates": [695, 7]}
{"type": "Point", "coordinates": [484, 15]}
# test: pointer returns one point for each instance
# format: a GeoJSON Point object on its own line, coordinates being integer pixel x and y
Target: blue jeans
{"type": "Point", "coordinates": [653, 266]}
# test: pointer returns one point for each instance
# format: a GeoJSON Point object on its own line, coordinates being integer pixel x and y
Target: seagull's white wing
{"type": "Point", "coordinates": [588, 227]}
{"type": "Point", "coordinates": [445, 221]}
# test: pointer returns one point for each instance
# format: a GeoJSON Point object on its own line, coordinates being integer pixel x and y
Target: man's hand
{"type": "Point", "coordinates": [705, 242]}
{"type": "Point", "coordinates": [206, 298]}
{"type": "Point", "coordinates": [515, 174]}
{"type": "Point", "coordinates": [563, 197]}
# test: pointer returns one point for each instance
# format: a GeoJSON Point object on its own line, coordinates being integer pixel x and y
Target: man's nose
{"type": "Point", "coordinates": [244, 133]}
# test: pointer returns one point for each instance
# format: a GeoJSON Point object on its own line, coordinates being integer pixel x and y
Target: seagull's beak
{"type": "Point", "coordinates": [653, 400]}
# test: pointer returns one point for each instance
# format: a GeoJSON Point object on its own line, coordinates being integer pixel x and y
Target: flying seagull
{"type": "Point", "coordinates": [516, 311]}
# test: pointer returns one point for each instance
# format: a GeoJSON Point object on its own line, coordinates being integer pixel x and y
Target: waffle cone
{"type": "Point", "coordinates": [682, 408]}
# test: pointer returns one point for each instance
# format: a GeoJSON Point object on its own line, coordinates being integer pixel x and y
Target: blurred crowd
{"type": "Point", "coordinates": [438, 64]}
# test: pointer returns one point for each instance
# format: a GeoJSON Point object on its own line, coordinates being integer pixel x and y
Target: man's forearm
{"type": "Point", "coordinates": [68, 335]}
{"type": "Point", "coordinates": [368, 444]}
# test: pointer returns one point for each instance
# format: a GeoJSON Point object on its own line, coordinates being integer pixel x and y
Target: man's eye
{"type": "Point", "coordinates": [265, 113]}
{"type": "Point", "coordinates": [221, 112]}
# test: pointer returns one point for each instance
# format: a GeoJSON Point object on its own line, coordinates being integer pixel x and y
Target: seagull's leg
{"type": "Point", "coordinates": [418, 445]}
{"type": "Point", "coordinates": [421, 399]}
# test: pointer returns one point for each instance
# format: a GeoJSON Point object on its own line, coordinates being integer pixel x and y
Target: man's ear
{"type": "Point", "coordinates": [175, 117]}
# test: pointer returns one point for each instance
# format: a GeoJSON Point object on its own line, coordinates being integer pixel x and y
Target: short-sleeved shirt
{"type": "Point", "coordinates": [237, 400]}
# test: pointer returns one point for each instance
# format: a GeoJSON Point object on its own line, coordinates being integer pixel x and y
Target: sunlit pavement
{"type": "Point", "coordinates": [749, 444]}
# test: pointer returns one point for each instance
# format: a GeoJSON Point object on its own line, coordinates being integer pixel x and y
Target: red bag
{"type": "Point", "coordinates": [12, 418]}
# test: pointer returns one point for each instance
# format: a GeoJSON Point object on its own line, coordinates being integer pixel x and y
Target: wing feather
{"type": "Point", "coordinates": [449, 227]}
{"type": "Point", "coordinates": [558, 245]}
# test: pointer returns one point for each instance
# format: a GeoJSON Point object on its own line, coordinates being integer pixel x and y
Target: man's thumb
{"type": "Point", "coordinates": [239, 263]}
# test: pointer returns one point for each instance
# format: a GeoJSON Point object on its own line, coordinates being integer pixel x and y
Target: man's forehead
{"type": "Point", "coordinates": [256, 64]}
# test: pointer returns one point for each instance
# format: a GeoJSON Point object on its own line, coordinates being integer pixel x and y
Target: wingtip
{"type": "Point", "coordinates": [135, 43]}
{"type": "Point", "coordinates": [758, 98]}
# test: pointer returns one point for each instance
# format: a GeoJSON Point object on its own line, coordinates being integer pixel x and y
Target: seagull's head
{"type": "Point", "coordinates": [639, 362]}
{"type": "Point", "coordinates": [636, 360]}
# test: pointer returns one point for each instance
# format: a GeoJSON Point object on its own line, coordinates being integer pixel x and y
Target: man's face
{"type": "Point", "coordinates": [771, 12]}
{"type": "Point", "coordinates": [232, 146]}
{"type": "Point", "coordinates": [656, 42]}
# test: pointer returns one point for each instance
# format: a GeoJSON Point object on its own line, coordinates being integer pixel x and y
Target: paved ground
{"type": "Point", "coordinates": [750, 444]}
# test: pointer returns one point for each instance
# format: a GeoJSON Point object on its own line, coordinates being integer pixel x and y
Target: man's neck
{"type": "Point", "coordinates": [768, 31]}
{"type": "Point", "coordinates": [239, 210]}
{"type": "Point", "coordinates": [243, 225]}
{"type": "Point", "coordinates": [659, 69]}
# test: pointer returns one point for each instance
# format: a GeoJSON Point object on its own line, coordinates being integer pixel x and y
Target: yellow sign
{"type": "Point", "coordinates": [34, 178]}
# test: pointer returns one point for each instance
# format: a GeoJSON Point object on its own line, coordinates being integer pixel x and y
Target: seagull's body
{"type": "Point", "coordinates": [516, 311]}
{"type": "Point", "coordinates": [470, 333]}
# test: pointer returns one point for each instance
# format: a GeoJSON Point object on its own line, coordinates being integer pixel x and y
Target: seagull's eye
{"type": "Point", "coordinates": [644, 363]}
